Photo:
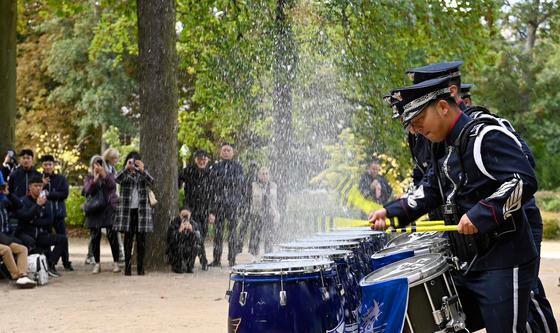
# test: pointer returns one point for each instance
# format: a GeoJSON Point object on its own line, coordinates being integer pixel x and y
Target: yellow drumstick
{"type": "Point", "coordinates": [423, 229]}
{"type": "Point", "coordinates": [390, 223]}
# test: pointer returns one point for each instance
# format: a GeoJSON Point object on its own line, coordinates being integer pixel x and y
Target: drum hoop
{"type": "Point", "coordinates": [324, 265]}
{"type": "Point", "coordinates": [431, 243]}
{"type": "Point", "coordinates": [430, 277]}
{"type": "Point", "coordinates": [343, 254]}
{"type": "Point", "coordinates": [320, 245]}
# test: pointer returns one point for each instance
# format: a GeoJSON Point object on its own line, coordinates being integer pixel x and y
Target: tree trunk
{"type": "Point", "coordinates": [284, 73]}
{"type": "Point", "coordinates": [158, 115]}
{"type": "Point", "coordinates": [7, 74]}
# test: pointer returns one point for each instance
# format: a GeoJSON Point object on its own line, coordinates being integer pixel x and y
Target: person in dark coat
{"type": "Point", "coordinates": [56, 187]}
{"type": "Point", "coordinates": [228, 191]}
{"type": "Point", "coordinates": [183, 242]}
{"type": "Point", "coordinates": [100, 179]}
{"type": "Point", "coordinates": [196, 180]}
{"type": "Point", "coordinates": [9, 164]}
{"type": "Point", "coordinates": [19, 178]}
{"type": "Point", "coordinates": [373, 186]}
{"type": "Point", "coordinates": [134, 213]}
{"type": "Point", "coordinates": [35, 220]}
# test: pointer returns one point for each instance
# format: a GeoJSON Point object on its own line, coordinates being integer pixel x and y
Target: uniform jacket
{"type": "Point", "coordinates": [58, 193]}
{"type": "Point", "coordinates": [108, 185]}
{"type": "Point", "coordinates": [227, 185]}
{"type": "Point", "coordinates": [499, 180]}
{"type": "Point", "coordinates": [19, 180]}
{"type": "Point", "coordinates": [122, 215]}
{"type": "Point", "coordinates": [10, 203]}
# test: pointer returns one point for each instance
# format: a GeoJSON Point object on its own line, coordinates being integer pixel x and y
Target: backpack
{"type": "Point", "coordinates": [37, 268]}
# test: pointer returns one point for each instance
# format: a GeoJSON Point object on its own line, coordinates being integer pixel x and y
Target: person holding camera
{"type": "Point", "coordinates": [99, 186]}
{"type": "Point", "coordinates": [57, 192]}
{"type": "Point", "coordinates": [35, 220]}
{"type": "Point", "coordinates": [134, 213]}
{"type": "Point", "coordinates": [9, 164]}
{"type": "Point", "coordinates": [183, 242]}
{"type": "Point", "coordinates": [19, 178]}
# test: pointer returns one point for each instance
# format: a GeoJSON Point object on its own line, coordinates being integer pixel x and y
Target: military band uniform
{"type": "Point", "coordinates": [497, 180]}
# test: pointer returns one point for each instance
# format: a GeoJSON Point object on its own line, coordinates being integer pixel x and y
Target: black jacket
{"type": "Point", "coordinates": [196, 182]}
{"type": "Point", "coordinates": [227, 185]}
{"type": "Point", "coordinates": [58, 193]}
{"type": "Point", "coordinates": [369, 193]}
{"type": "Point", "coordinates": [33, 219]}
{"type": "Point", "coordinates": [19, 181]}
{"type": "Point", "coordinates": [176, 239]}
{"type": "Point", "coordinates": [10, 204]}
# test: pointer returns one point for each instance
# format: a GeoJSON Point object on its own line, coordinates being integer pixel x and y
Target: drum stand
{"type": "Point", "coordinates": [450, 315]}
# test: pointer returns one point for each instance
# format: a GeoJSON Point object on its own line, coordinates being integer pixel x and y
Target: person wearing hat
{"type": "Point", "coordinates": [466, 94]}
{"type": "Point", "coordinates": [35, 220]}
{"type": "Point", "coordinates": [19, 178]}
{"type": "Point", "coordinates": [56, 187]}
{"type": "Point", "coordinates": [227, 179]}
{"type": "Point", "coordinates": [482, 181]}
{"type": "Point", "coordinates": [196, 183]}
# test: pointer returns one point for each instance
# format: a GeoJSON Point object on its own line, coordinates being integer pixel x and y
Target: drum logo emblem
{"type": "Point", "coordinates": [372, 317]}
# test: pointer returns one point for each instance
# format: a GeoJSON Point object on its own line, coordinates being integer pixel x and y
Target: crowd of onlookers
{"type": "Point", "coordinates": [120, 200]}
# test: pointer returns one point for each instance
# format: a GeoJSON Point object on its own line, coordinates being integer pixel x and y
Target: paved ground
{"type": "Point", "coordinates": [157, 302]}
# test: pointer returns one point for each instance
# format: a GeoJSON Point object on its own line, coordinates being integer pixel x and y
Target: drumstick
{"type": "Point", "coordinates": [427, 223]}
{"type": "Point", "coordinates": [423, 229]}
{"type": "Point", "coordinates": [390, 223]}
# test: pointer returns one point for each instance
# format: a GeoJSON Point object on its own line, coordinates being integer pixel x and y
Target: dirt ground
{"type": "Point", "coordinates": [156, 302]}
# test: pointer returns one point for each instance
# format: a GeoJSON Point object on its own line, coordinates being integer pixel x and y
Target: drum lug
{"type": "Point", "coordinates": [324, 292]}
{"type": "Point", "coordinates": [243, 298]}
{"type": "Point", "coordinates": [283, 298]}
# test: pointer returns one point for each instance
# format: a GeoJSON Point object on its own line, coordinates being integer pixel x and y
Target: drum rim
{"type": "Point", "coordinates": [423, 276]}
{"type": "Point", "coordinates": [314, 266]}
{"type": "Point", "coordinates": [421, 245]}
{"type": "Point", "coordinates": [428, 234]}
{"type": "Point", "coordinates": [341, 238]}
{"type": "Point", "coordinates": [312, 245]}
{"type": "Point", "coordinates": [317, 253]}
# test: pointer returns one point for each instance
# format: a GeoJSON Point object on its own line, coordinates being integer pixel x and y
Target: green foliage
{"type": "Point", "coordinates": [75, 214]}
{"type": "Point", "coordinates": [113, 138]}
{"type": "Point", "coordinates": [551, 228]}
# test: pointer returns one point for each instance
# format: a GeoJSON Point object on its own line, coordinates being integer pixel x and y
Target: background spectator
{"type": "Point", "coordinates": [9, 164]}
{"type": "Point", "coordinates": [183, 242]}
{"type": "Point", "coordinates": [264, 211]}
{"type": "Point", "coordinates": [227, 189]}
{"type": "Point", "coordinates": [19, 178]}
{"type": "Point", "coordinates": [111, 157]}
{"type": "Point", "coordinates": [373, 186]}
{"type": "Point", "coordinates": [57, 193]}
{"type": "Point", "coordinates": [134, 213]}
{"type": "Point", "coordinates": [196, 180]}
{"type": "Point", "coordinates": [100, 179]}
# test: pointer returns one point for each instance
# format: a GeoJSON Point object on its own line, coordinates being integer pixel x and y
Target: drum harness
{"type": "Point", "coordinates": [466, 248]}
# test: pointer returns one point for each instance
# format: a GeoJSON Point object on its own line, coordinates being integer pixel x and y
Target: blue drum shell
{"type": "Point", "coordinates": [305, 310]}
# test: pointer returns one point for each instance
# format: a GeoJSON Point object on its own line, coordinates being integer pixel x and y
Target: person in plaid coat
{"type": "Point", "coordinates": [134, 213]}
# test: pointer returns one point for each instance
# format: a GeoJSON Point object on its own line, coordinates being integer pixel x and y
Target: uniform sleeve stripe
{"type": "Point", "coordinates": [478, 146]}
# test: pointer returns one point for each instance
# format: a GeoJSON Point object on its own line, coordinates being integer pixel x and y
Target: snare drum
{"type": "Point", "coordinates": [406, 250]}
{"type": "Point", "coordinates": [346, 280]}
{"type": "Point", "coordinates": [433, 302]}
{"type": "Point", "coordinates": [414, 237]}
{"type": "Point", "coordinates": [285, 296]}
{"type": "Point", "coordinates": [359, 265]}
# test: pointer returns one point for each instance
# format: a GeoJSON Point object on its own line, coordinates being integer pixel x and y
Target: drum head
{"type": "Point", "coordinates": [424, 246]}
{"type": "Point", "coordinates": [414, 237]}
{"type": "Point", "coordinates": [307, 254]}
{"type": "Point", "coordinates": [325, 244]}
{"type": "Point", "coordinates": [333, 237]}
{"type": "Point", "coordinates": [267, 268]}
{"type": "Point", "coordinates": [353, 232]}
{"type": "Point", "coordinates": [415, 269]}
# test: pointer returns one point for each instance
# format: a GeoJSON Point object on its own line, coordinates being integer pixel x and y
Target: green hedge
{"type": "Point", "coordinates": [75, 214]}
{"type": "Point", "coordinates": [551, 228]}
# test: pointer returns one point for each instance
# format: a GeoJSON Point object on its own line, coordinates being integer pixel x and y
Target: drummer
{"type": "Point", "coordinates": [497, 254]}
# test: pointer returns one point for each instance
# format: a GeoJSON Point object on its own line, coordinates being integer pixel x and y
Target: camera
{"type": "Point", "coordinates": [133, 162]}
{"type": "Point", "coordinates": [43, 194]}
